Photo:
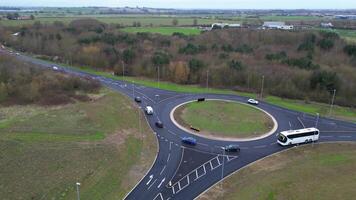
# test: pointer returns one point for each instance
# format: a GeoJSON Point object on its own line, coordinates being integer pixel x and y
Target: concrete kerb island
{"type": "Point", "coordinates": [275, 124]}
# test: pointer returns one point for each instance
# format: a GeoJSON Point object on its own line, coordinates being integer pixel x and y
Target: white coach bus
{"type": "Point", "coordinates": [298, 136]}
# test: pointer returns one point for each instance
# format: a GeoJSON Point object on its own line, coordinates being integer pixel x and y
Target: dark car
{"type": "Point", "coordinates": [189, 140]}
{"type": "Point", "coordinates": [138, 99]}
{"type": "Point", "coordinates": [159, 124]}
{"type": "Point", "coordinates": [232, 148]}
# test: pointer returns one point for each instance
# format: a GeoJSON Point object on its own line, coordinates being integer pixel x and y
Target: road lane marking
{"type": "Point", "coordinates": [162, 170]}
{"type": "Point", "coordinates": [151, 177]}
{"type": "Point", "coordinates": [326, 136]}
{"type": "Point", "coordinates": [169, 156]}
{"type": "Point", "coordinates": [171, 132]}
{"type": "Point", "coordinates": [202, 144]}
{"type": "Point", "coordinates": [158, 195]}
{"type": "Point", "coordinates": [258, 147]}
{"type": "Point", "coordinates": [344, 136]}
{"type": "Point", "coordinates": [161, 183]}
{"type": "Point", "coordinates": [152, 184]}
{"type": "Point", "coordinates": [301, 122]}
{"type": "Point", "coordinates": [170, 145]}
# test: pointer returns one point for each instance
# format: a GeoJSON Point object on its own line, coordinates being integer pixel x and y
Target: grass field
{"type": "Point", "coordinates": [289, 18]}
{"type": "Point", "coordinates": [46, 150]}
{"type": "Point", "coordinates": [123, 20]}
{"type": "Point", "coordinates": [224, 119]}
{"type": "Point", "coordinates": [322, 172]}
{"type": "Point", "coordinates": [163, 30]}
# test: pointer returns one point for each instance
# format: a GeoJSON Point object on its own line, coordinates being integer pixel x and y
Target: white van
{"type": "Point", "coordinates": [149, 110]}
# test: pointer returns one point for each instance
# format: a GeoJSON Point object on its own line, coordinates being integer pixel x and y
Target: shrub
{"type": "Point", "coordinates": [326, 44]}
{"type": "Point", "coordinates": [245, 49]}
{"type": "Point", "coordinates": [195, 65]}
{"type": "Point", "coordinates": [350, 50]}
{"type": "Point", "coordinates": [160, 58]}
{"type": "Point", "coordinates": [324, 80]}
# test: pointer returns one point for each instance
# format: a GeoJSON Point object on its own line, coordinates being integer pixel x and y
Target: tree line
{"type": "Point", "coordinates": [306, 65]}
{"type": "Point", "coordinates": [23, 83]}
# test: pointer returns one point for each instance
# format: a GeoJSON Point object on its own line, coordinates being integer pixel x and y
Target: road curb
{"type": "Point", "coordinates": [275, 123]}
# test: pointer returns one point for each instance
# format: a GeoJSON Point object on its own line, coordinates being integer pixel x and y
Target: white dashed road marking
{"type": "Point", "coordinates": [162, 170]}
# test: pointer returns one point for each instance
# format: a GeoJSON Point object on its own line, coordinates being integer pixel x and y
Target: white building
{"type": "Point", "coordinates": [277, 25]}
{"type": "Point", "coordinates": [326, 25]}
{"type": "Point", "coordinates": [224, 25]}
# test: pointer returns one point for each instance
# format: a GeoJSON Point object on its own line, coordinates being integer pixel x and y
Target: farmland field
{"type": "Point", "coordinates": [122, 20]}
{"type": "Point", "coordinates": [163, 30]}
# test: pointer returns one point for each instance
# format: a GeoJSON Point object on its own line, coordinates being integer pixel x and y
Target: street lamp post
{"type": "Point", "coordinates": [222, 170]}
{"type": "Point", "coordinates": [78, 194]}
{"type": "Point", "coordinates": [158, 75]}
{"type": "Point", "coordinates": [133, 89]}
{"type": "Point", "coordinates": [263, 80]}
{"type": "Point", "coordinates": [207, 79]}
{"type": "Point", "coordinates": [316, 125]}
{"type": "Point", "coordinates": [123, 72]}
{"type": "Point", "coordinates": [332, 102]}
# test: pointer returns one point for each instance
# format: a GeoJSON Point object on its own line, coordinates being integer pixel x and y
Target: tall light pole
{"type": "Point", "coordinates": [263, 80]}
{"type": "Point", "coordinates": [78, 194]}
{"type": "Point", "coordinates": [139, 122]}
{"type": "Point", "coordinates": [207, 80]}
{"type": "Point", "coordinates": [316, 125]}
{"type": "Point", "coordinates": [158, 75]}
{"type": "Point", "coordinates": [123, 72]}
{"type": "Point", "coordinates": [133, 88]}
{"type": "Point", "coordinates": [332, 102]}
{"type": "Point", "coordinates": [222, 170]}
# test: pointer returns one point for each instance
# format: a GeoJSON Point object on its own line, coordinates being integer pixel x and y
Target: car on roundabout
{"type": "Point", "coordinates": [159, 124]}
{"type": "Point", "coordinates": [253, 101]}
{"type": "Point", "coordinates": [232, 148]}
{"type": "Point", "coordinates": [138, 99]}
{"type": "Point", "coordinates": [149, 110]}
{"type": "Point", "coordinates": [189, 140]}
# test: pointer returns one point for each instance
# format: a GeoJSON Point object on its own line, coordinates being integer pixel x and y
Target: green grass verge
{"type": "Point", "coordinates": [46, 150]}
{"type": "Point", "coordinates": [224, 119]}
{"type": "Point", "coordinates": [325, 171]}
{"type": "Point", "coordinates": [163, 30]}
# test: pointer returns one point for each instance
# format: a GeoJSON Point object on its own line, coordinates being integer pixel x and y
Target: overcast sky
{"type": "Point", "coordinates": [223, 4]}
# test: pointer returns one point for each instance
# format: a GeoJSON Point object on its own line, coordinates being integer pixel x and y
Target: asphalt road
{"type": "Point", "coordinates": [183, 172]}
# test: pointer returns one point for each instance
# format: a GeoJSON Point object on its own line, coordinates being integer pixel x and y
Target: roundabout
{"type": "Point", "coordinates": [221, 119]}
{"type": "Point", "coordinates": [185, 172]}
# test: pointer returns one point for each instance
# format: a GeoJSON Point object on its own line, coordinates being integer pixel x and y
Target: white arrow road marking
{"type": "Point", "coordinates": [151, 177]}
{"type": "Point", "coordinates": [161, 183]}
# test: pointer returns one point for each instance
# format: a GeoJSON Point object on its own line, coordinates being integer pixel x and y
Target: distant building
{"type": "Point", "coordinates": [277, 25]}
{"type": "Point", "coordinates": [219, 25]}
{"type": "Point", "coordinates": [326, 25]}
{"type": "Point", "coordinates": [224, 25]}
{"type": "Point", "coordinates": [353, 17]}
{"type": "Point", "coordinates": [234, 25]}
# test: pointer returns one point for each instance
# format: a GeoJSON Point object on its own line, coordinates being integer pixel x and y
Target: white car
{"type": "Point", "coordinates": [54, 67]}
{"type": "Point", "coordinates": [252, 101]}
{"type": "Point", "coordinates": [149, 110]}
